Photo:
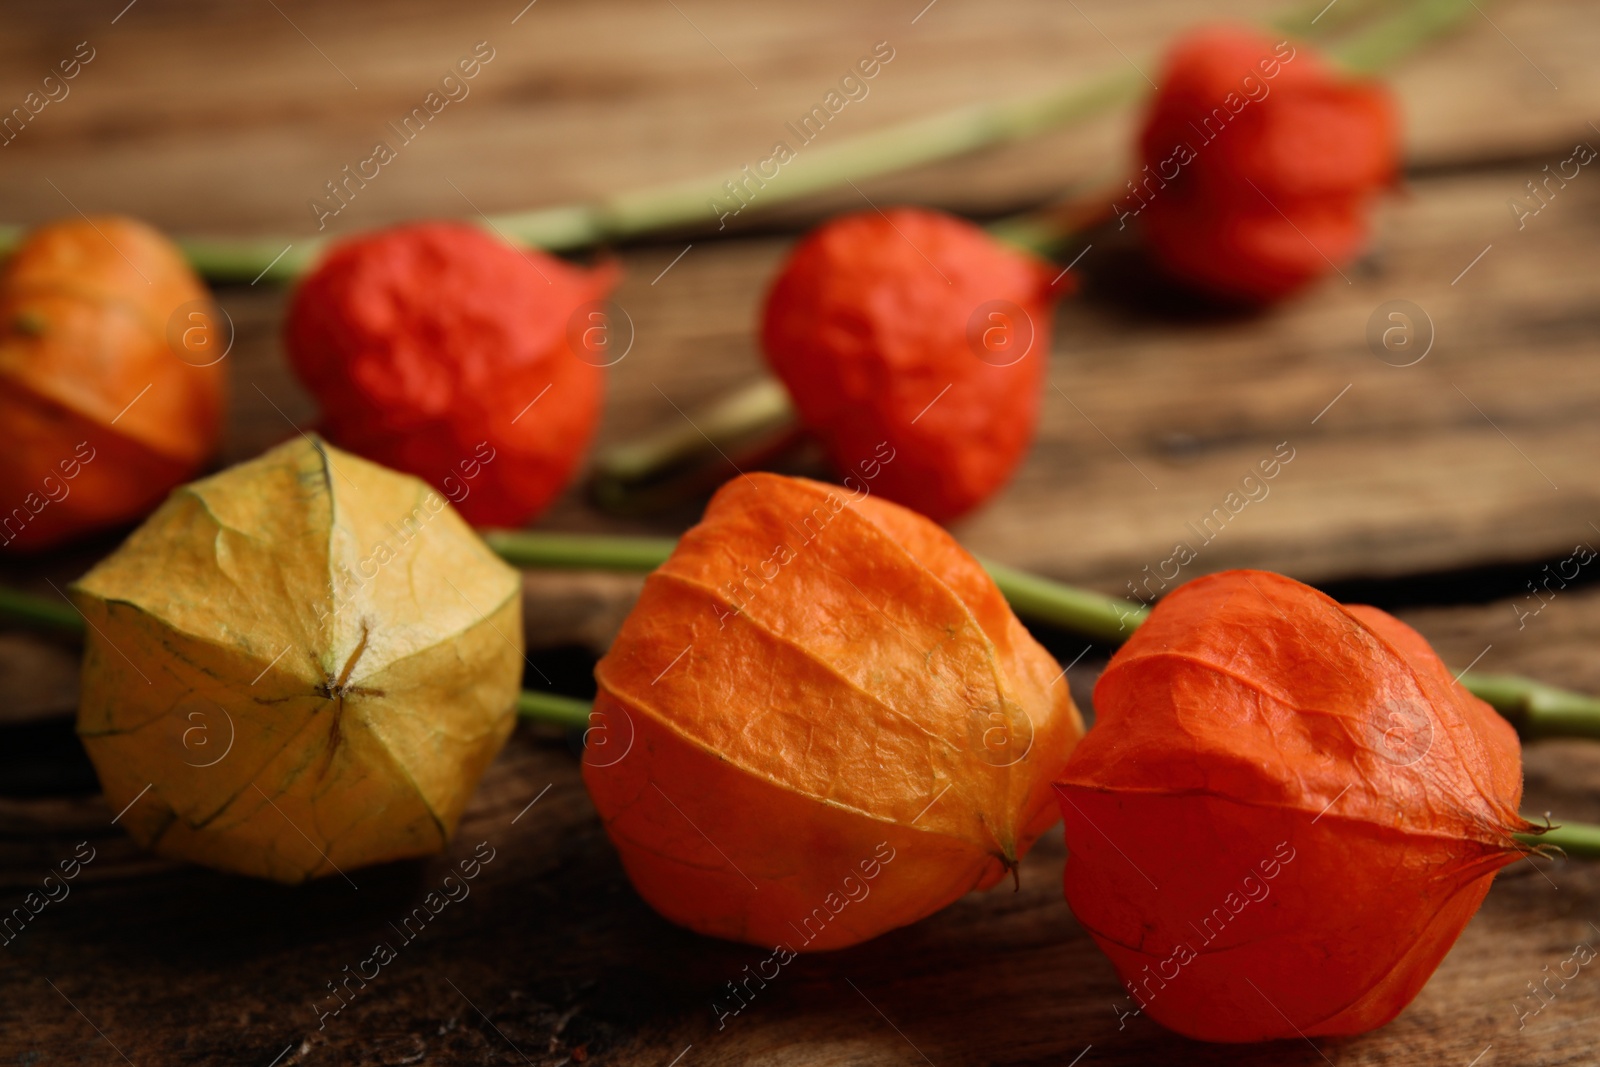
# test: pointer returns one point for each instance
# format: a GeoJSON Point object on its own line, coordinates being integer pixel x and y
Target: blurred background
{"type": "Point", "coordinates": [1440, 488]}
{"type": "Point", "coordinates": [230, 119]}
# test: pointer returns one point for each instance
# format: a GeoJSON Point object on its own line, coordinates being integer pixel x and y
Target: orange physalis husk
{"type": "Point", "coordinates": [110, 378]}
{"type": "Point", "coordinates": [298, 666]}
{"type": "Point", "coordinates": [821, 722]}
{"type": "Point", "coordinates": [1285, 814]}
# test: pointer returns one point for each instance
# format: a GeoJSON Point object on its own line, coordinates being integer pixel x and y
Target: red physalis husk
{"type": "Point", "coordinates": [441, 351]}
{"type": "Point", "coordinates": [1285, 814]}
{"type": "Point", "coordinates": [913, 333]}
{"type": "Point", "coordinates": [1261, 164]}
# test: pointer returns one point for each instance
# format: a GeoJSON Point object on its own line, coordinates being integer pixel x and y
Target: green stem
{"type": "Point", "coordinates": [694, 203]}
{"type": "Point", "coordinates": [762, 401]}
{"type": "Point", "coordinates": [1107, 619]}
{"type": "Point", "coordinates": [574, 552]}
{"type": "Point", "coordinates": [690, 204]}
{"type": "Point", "coordinates": [744, 428]}
{"type": "Point", "coordinates": [270, 259]}
{"type": "Point", "coordinates": [1380, 47]}
{"type": "Point", "coordinates": [551, 708]}
{"type": "Point", "coordinates": [1578, 840]}
{"type": "Point", "coordinates": [37, 612]}
{"type": "Point", "coordinates": [1049, 231]}
{"type": "Point", "coordinates": [1100, 618]}
{"type": "Point", "coordinates": [1537, 711]}
{"type": "Point", "coordinates": [1328, 19]}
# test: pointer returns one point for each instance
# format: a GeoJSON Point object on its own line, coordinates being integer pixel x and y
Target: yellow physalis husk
{"type": "Point", "coordinates": [298, 666]}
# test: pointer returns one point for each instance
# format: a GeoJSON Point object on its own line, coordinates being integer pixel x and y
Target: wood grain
{"type": "Point", "coordinates": [176, 964]}
{"type": "Point", "coordinates": [207, 118]}
{"type": "Point", "coordinates": [227, 119]}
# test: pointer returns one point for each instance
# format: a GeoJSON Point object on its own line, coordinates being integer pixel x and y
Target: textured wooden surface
{"type": "Point", "coordinates": [177, 965]}
{"type": "Point", "coordinates": [1439, 488]}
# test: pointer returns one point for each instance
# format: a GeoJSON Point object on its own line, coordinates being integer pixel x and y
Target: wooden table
{"type": "Point", "coordinates": [1438, 490]}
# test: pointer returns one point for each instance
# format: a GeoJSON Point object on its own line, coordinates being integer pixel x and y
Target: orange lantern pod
{"type": "Point", "coordinates": [1285, 814]}
{"type": "Point", "coordinates": [110, 352]}
{"type": "Point", "coordinates": [821, 722]}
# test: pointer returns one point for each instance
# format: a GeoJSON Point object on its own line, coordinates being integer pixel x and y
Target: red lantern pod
{"type": "Point", "coordinates": [1285, 814]}
{"type": "Point", "coordinates": [439, 350]}
{"type": "Point", "coordinates": [916, 332]}
{"type": "Point", "coordinates": [1261, 164]}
